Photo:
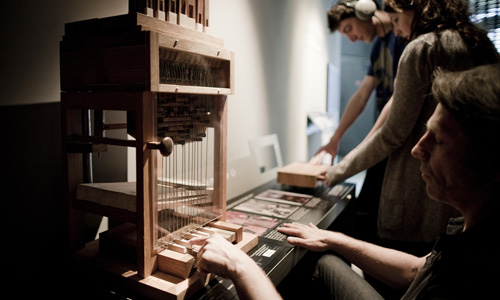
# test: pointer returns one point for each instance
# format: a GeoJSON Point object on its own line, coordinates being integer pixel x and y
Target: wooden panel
{"type": "Point", "coordinates": [131, 62]}
{"type": "Point", "coordinates": [146, 183]}
{"type": "Point", "coordinates": [220, 155]}
{"type": "Point", "coordinates": [194, 47]}
{"type": "Point", "coordinates": [90, 69]}
{"type": "Point", "coordinates": [120, 195]}
{"type": "Point", "coordinates": [154, 62]}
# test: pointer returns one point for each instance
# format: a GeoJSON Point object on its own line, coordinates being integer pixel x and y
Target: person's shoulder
{"type": "Point", "coordinates": [424, 39]}
{"type": "Point", "coordinates": [424, 43]}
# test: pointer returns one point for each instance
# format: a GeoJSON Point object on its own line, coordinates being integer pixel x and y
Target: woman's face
{"type": "Point", "coordinates": [402, 22]}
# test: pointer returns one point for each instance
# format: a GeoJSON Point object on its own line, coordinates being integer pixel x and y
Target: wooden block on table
{"type": "Point", "coordinates": [237, 229]}
{"type": "Point", "coordinates": [177, 248]}
{"type": "Point", "coordinates": [230, 236]}
{"type": "Point", "coordinates": [207, 230]}
{"type": "Point", "coordinates": [175, 263]}
{"type": "Point", "coordinates": [190, 236]}
{"type": "Point", "coordinates": [185, 243]}
{"type": "Point", "coordinates": [301, 174]}
{"type": "Point", "coordinates": [248, 241]}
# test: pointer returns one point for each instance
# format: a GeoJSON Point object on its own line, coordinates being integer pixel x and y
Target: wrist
{"type": "Point", "coordinates": [334, 139]}
{"type": "Point", "coordinates": [247, 276]}
{"type": "Point", "coordinates": [337, 241]}
{"type": "Point", "coordinates": [242, 267]}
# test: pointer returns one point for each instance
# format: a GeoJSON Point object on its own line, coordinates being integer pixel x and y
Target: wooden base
{"type": "Point", "coordinates": [157, 286]}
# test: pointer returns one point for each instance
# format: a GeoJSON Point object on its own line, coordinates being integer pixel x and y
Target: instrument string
{"type": "Point", "coordinates": [186, 187]}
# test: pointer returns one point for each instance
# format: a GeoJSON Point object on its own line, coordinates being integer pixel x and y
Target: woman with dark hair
{"type": "Point", "coordinates": [439, 16]}
{"type": "Point", "coordinates": [441, 36]}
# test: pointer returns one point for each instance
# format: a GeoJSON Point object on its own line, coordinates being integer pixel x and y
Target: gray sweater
{"type": "Point", "coordinates": [406, 213]}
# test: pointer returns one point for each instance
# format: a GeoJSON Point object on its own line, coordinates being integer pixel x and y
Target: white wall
{"type": "Point", "coordinates": [282, 49]}
{"type": "Point", "coordinates": [282, 53]}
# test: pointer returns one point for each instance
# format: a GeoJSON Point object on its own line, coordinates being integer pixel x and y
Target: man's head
{"type": "Point", "coordinates": [353, 18]}
{"type": "Point", "coordinates": [460, 150]}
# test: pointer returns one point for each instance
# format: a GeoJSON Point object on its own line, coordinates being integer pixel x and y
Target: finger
{"type": "Point", "coordinates": [294, 224]}
{"type": "Point", "coordinates": [318, 158]}
{"type": "Point", "coordinates": [320, 150]}
{"type": "Point", "coordinates": [291, 229]}
{"type": "Point", "coordinates": [285, 230]}
{"type": "Point", "coordinates": [201, 268]}
{"type": "Point", "coordinates": [287, 227]}
{"type": "Point", "coordinates": [295, 241]}
{"type": "Point", "coordinates": [198, 241]}
{"type": "Point", "coordinates": [313, 226]}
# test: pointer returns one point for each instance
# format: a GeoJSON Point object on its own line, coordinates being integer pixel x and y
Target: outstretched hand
{"type": "Point", "coordinates": [330, 148]}
{"type": "Point", "coordinates": [307, 236]}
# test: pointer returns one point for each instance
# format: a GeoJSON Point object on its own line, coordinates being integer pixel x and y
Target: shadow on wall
{"type": "Point", "coordinates": [33, 214]}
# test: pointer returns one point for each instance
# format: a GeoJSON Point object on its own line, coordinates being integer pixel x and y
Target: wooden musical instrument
{"type": "Point", "coordinates": [158, 64]}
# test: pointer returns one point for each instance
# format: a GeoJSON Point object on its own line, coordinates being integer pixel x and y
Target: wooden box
{"type": "Point", "coordinates": [135, 52]}
{"type": "Point", "coordinates": [301, 174]}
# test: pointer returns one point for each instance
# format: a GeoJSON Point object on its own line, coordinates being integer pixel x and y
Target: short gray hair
{"type": "Point", "coordinates": [472, 97]}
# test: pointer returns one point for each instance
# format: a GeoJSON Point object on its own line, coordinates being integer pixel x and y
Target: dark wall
{"type": "Point", "coordinates": [33, 214]}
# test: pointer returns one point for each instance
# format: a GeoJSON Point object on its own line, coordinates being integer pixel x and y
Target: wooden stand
{"type": "Point", "coordinates": [125, 63]}
{"type": "Point", "coordinates": [159, 285]}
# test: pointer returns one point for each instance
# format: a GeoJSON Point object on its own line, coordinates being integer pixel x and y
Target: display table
{"type": "Point", "coordinates": [260, 211]}
{"type": "Point", "coordinates": [269, 205]}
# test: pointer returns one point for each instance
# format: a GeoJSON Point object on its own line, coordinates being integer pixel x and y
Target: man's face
{"type": "Point", "coordinates": [443, 161]}
{"type": "Point", "coordinates": [357, 30]}
{"type": "Point", "coordinates": [402, 23]}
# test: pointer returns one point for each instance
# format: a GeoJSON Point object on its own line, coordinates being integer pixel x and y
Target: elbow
{"type": "Point", "coordinates": [407, 274]}
{"type": "Point", "coordinates": [410, 274]}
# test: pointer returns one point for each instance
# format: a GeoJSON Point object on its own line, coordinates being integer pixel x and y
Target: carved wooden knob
{"type": "Point", "coordinates": [166, 146]}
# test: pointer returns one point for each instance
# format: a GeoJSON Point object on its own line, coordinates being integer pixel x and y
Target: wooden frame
{"type": "Point", "coordinates": [142, 104]}
{"type": "Point", "coordinates": [118, 63]}
{"type": "Point", "coordinates": [120, 69]}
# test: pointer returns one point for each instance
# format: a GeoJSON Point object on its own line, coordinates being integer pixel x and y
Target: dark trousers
{"type": "Point", "coordinates": [335, 277]}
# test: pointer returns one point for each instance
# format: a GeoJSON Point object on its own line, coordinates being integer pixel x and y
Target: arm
{"type": "Point", "coordinates": [410, 94]}
{"type": "Point", "coordinates": [380, 121]}
{"type": "Point", "coordinates": [354, 108]}
{"type": "Point", "coordinates": [393, 267]}
{"type": "Point", "coordinates": [220, 257]}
